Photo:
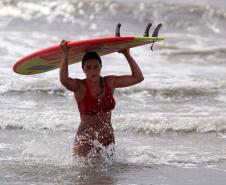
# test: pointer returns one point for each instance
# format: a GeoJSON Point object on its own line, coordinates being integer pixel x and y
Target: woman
{"type": "Point", "coordinates": [94, 97]}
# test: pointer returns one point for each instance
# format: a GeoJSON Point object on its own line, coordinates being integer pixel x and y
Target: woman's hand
{"type": "Point", "coordinates": [63, 46]}
{"type": "Point", "coordinates": [125, 51]}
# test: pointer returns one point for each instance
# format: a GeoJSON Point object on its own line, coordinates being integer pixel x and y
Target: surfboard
{"type": "Point", "coordinates": [50, 58]}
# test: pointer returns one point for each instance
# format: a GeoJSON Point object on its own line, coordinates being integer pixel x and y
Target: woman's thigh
{"type": "Point", "coordinates": [82, 145]}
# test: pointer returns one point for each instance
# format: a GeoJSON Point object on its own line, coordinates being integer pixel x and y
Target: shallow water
{"type": "Point", "coordinates": [41, 158]}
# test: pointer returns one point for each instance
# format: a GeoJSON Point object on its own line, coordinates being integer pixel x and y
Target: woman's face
{"type": "Point", "coordinates": [92, 69]}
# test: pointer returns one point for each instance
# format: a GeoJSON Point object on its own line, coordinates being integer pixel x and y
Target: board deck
{"type": "Point", "coordinates": [49, 58]}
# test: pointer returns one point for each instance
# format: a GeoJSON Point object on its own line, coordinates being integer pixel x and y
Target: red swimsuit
{"type": "Point", "coordinates": [92, 105]}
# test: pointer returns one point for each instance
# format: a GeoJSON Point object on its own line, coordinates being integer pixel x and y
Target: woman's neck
{"type": "Point", "coordinates": [93, 83]}
{"type": "Point", "coordinates": [99, 90]}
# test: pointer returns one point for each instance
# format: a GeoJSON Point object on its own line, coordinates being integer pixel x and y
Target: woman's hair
{"type": "Point", "coordinates": [91, 55]}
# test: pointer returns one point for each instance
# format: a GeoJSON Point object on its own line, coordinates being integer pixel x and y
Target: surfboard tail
{"type": "Point", "coordinates": [155, 34]}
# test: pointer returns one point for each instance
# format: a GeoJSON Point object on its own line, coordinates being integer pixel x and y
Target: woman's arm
{"type": "Point", "coordinates": [69, 83]}
{"type": "Point", "coordinates": [128, 80]}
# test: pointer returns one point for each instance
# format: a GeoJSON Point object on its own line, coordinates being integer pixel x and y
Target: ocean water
{"type": "Point", "coordinates": [170, 129]}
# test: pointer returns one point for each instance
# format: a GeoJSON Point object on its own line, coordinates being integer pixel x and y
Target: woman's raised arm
{"type": "Point", "coordinates": [69, 83]}
{"type": "Point", "coordinates": [129, 80]}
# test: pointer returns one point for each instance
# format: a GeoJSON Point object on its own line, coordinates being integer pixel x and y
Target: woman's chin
{"type": "Point", "coordinates": [93, 79]}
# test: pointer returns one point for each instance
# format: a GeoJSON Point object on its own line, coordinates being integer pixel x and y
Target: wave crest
{"type": "Point", "coordinates": [88, 13]}
{"type": "Point", "coordinates": [149, 124]}
{"type": "Point", "coordinates": [162, 125]}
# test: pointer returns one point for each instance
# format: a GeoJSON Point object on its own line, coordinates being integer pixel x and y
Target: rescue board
{"type": "Point", "coordinates": [50, 58]}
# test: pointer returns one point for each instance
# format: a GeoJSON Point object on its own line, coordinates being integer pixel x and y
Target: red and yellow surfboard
{"type": "Point", "coordinates": [49, 59]}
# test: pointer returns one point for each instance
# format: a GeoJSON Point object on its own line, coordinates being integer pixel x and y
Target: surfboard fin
{"type": "Point", "coordinates": [156, 31]}
{"type": "Point", "coordinates": [155, 34]}
{"type": "Point", "coordinates": [117, 31]}
{"type": "Point", "coordinates": [146, 32]}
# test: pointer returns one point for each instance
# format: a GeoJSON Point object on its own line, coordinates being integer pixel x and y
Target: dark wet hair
{"type": "Point", "coordinates": [91, 55]}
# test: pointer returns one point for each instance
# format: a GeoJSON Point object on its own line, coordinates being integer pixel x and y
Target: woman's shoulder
{"type": "Point", "coordinates": [109, 80]}
{"type": "Point", "coordinates": [109, 77]}
{"type": "Point", "coordinates": [80, 83]}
